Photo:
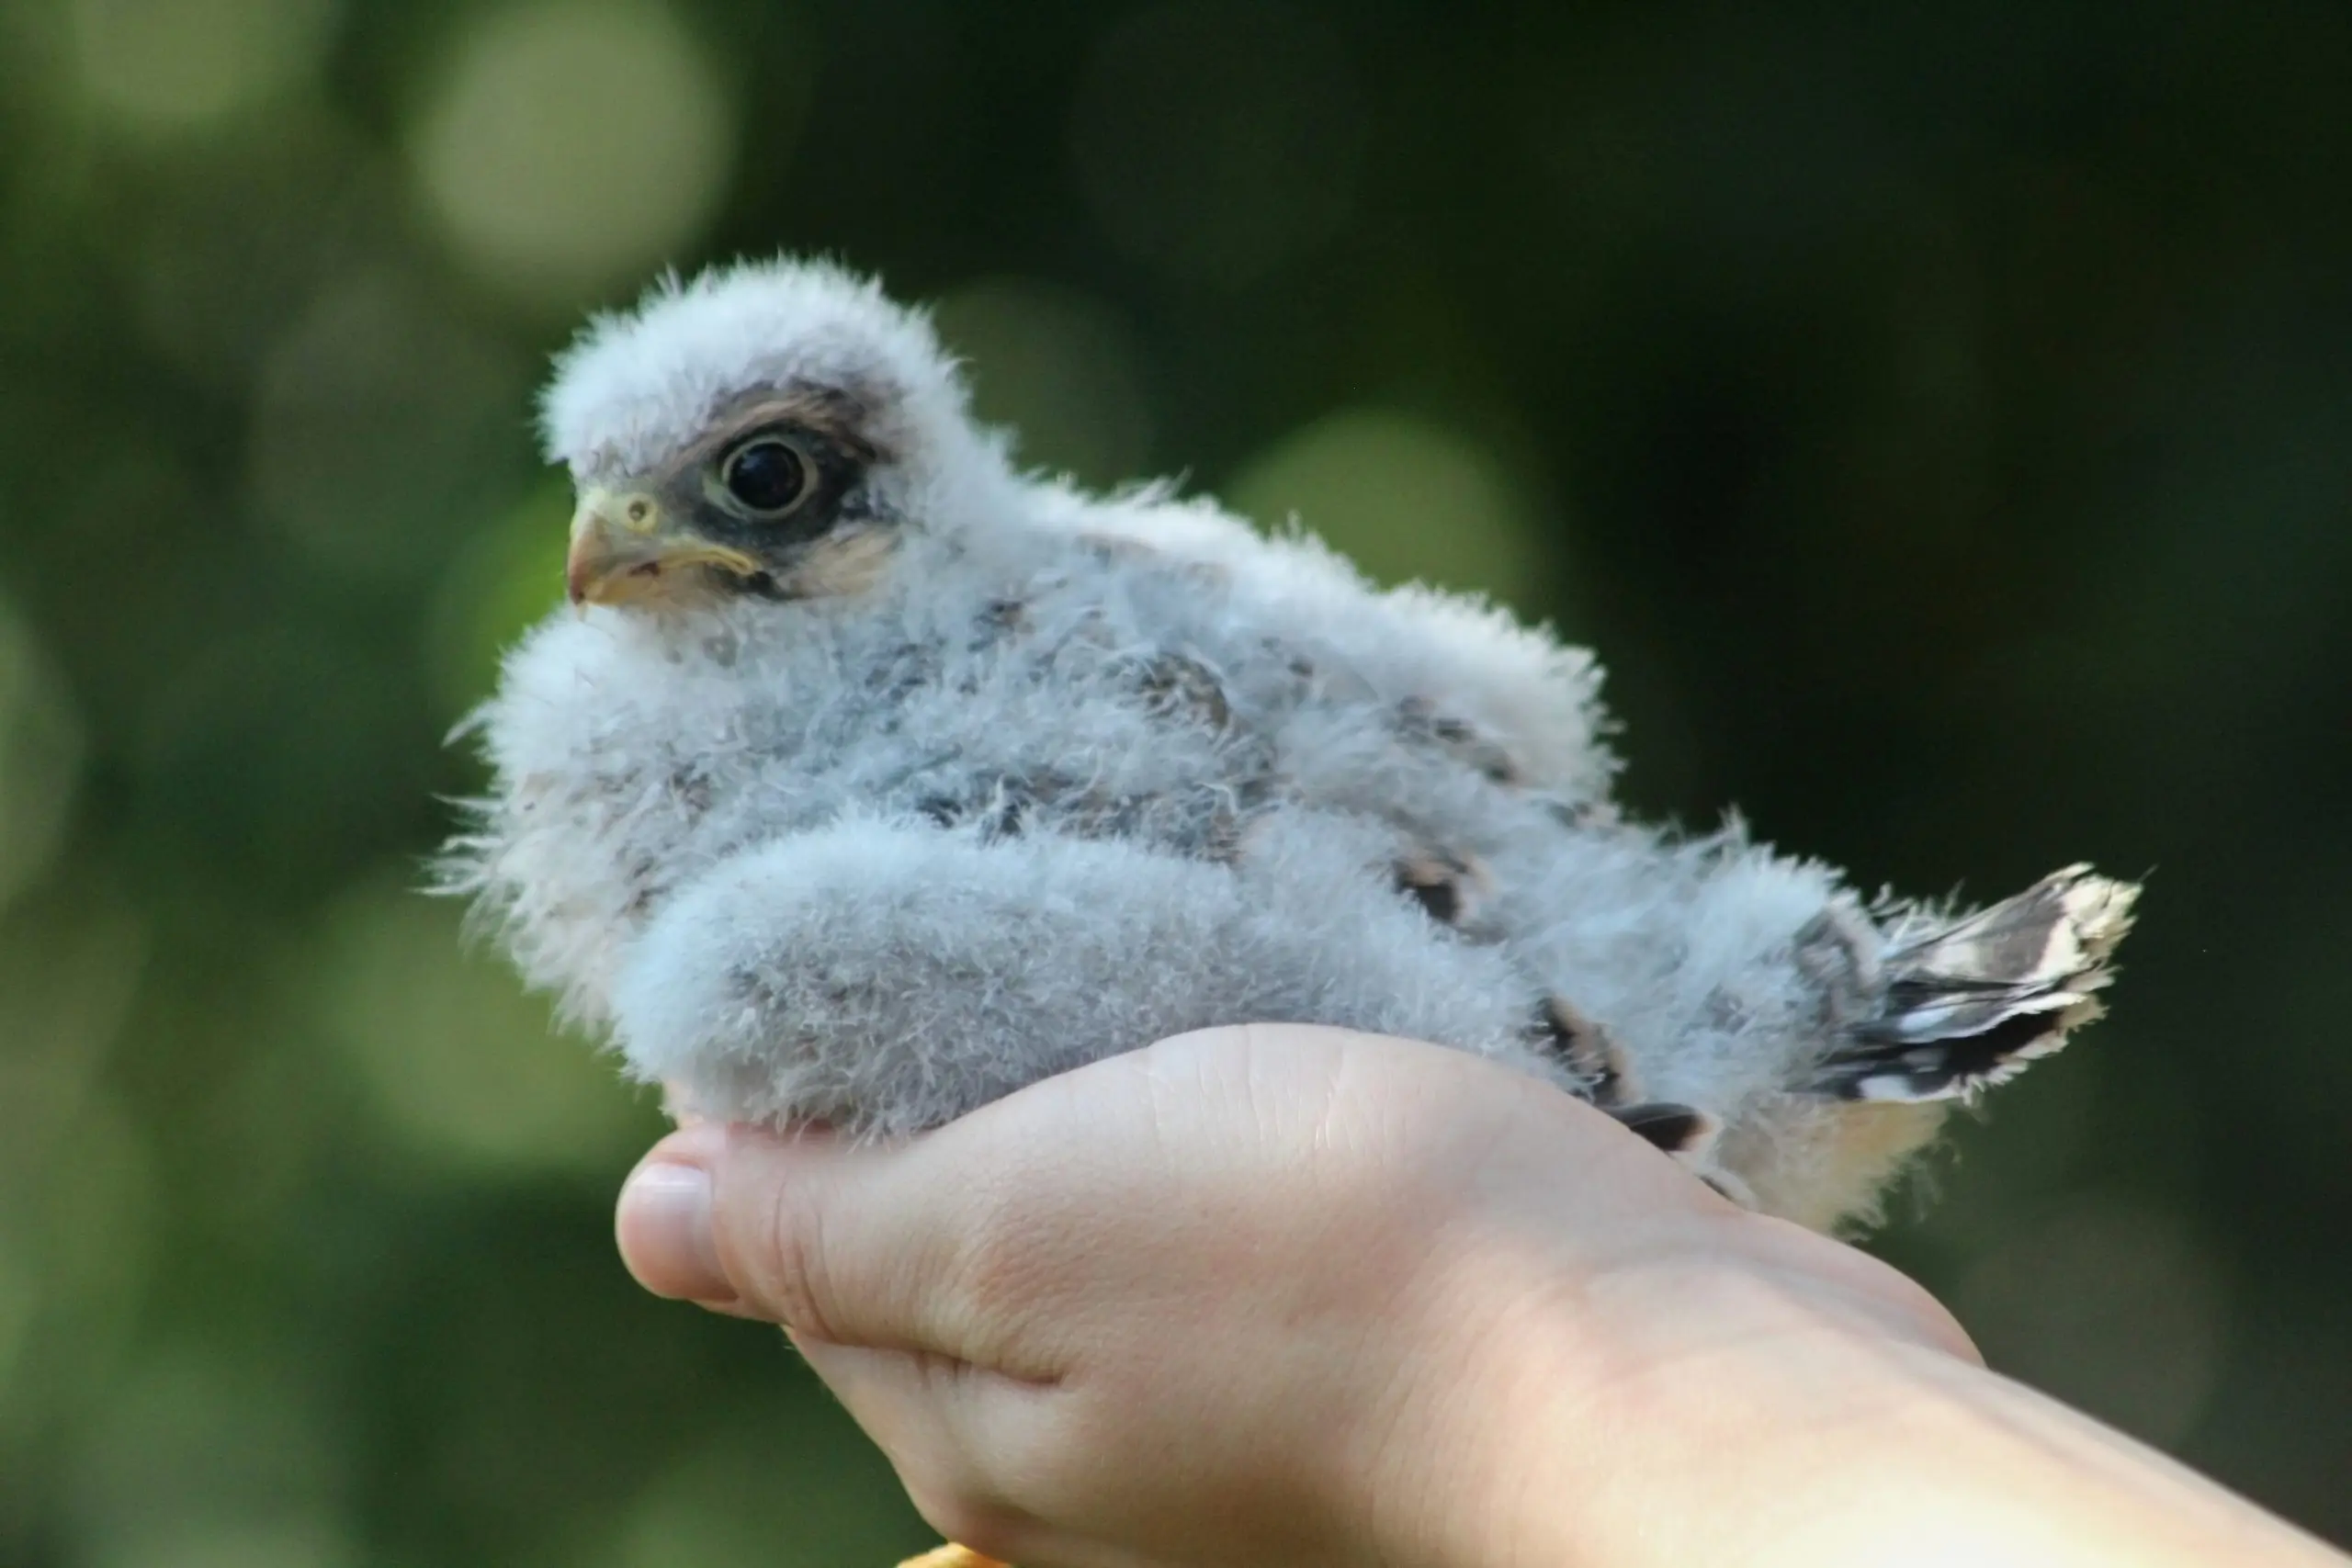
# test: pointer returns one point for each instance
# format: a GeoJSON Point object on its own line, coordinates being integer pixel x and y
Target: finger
{"type": "Point", "coordinates": [663, 1226]}
{"type": "Point", "coordinates": [844, 1244]}
{"type": "Point", "coordinates": [911, 1403]}
{"type": "Point", "coordinates": [935, 1419]}
{"type": "Point", "coordinates": [852, 1245]}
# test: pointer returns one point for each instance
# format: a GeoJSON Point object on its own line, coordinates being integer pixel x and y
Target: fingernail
{"type": "Point", "coordinates": [665, 1233]}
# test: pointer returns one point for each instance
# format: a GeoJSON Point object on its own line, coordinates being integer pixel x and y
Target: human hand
{"type": "Point", "coordinates": [1271, 1293]}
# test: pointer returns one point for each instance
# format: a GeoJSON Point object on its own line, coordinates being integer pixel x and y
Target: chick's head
{"type": "Point", "coordinates": [770, 432]}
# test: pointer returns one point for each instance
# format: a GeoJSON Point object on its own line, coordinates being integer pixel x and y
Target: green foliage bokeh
{"type": "Point", "coordinates": [1939, 419]}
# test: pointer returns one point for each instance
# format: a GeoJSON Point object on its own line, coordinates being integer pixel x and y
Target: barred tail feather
{"type": "Point", "coordinates": [1970, 1003]}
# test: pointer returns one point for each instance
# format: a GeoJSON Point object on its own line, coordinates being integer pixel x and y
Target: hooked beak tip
{"type": "Point", "coordinates": [602, 553]}
{"type": "Point", "coordinates": [581, 576]}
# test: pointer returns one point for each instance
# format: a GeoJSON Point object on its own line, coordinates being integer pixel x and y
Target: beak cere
{"type": "Point", "coordinates": [623, 550]}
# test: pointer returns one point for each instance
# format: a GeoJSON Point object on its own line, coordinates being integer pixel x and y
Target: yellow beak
{"type": "Point", "coordinates": [624, 550]}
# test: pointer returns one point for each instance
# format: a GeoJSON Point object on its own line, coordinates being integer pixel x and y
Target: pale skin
{"type": "Point", "coordinates": [1292, 1295]}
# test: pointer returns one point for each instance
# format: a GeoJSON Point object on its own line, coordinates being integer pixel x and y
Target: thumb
{"type": "Point", "coordinates": [842, 1245]}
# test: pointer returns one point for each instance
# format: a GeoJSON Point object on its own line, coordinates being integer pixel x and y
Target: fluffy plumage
{"type": "Point", "coordinates": [938, 778]}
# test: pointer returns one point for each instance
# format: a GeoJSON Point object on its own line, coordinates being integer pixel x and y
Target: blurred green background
{"type": "Point", "coordinates": [1940, 418]}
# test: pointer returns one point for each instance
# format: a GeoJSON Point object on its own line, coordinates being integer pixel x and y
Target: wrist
{"type": "Point", "coordinates": [1673, 1404]}
{"type": "Point", "coordinates": [1717, 1406]}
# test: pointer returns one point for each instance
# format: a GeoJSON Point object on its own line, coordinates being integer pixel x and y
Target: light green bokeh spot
{"type": "Point", "coordinates": [198, 1458]}
{"type": "Point", "coordinates": [503, 583]}
{"type": "Point", "coordinates": [1059, 368]}
{"type": "Point", "coordinates": [567, 147]}
{"type": "Point", "coordinates": [1406, 499]}
{"type": "Point", "coordinates": [457, 1059]}
{"type": "Point", "coordinates": [163, 65]}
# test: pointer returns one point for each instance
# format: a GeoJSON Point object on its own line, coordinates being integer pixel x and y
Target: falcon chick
{"type": "Point", "coordinates": [876, 778]}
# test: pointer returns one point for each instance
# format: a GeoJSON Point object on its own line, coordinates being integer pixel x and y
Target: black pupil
{"type": "Point", "coordinates": [767, 476]}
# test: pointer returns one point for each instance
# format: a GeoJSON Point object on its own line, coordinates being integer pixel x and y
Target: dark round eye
{"type": "Point", "coordinates": [766, 475]}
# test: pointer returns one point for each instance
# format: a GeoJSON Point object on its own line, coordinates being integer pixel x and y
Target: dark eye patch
{"type": "Point", "coordinates": [775, 483]}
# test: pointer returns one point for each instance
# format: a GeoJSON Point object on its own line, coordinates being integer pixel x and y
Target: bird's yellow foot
{"type": "Point", "coordinates": [951, 1556]}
